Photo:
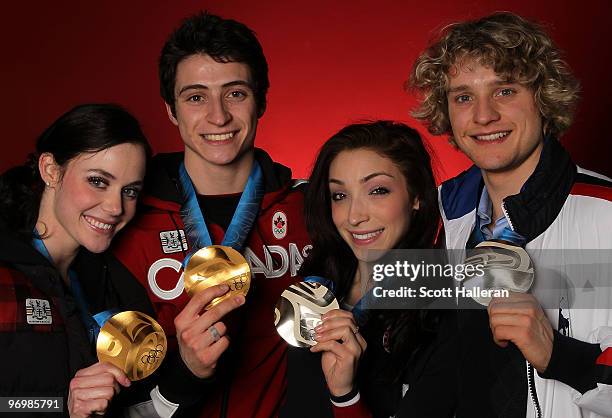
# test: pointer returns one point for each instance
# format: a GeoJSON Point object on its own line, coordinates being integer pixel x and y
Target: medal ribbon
{"type": "Point", "coordinates": [321, 280]}
{"type": "Point", "coordinates": [93, 323]}
{"type": "Point", "coordinates": [242, 221]}
{"type": "Point", "coordinates": [358, 311]}
{"type": "Point", "coordinates": [507, 234]}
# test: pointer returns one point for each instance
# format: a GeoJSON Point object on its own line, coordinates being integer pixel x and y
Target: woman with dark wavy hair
{"type": "Point", "coordinates": [58, 215]}
{"type": "Point", "coordinates": [372, 188]}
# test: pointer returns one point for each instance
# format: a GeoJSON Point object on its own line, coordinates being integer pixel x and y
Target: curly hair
{"type": "Point", "coordinates": [516, 49]}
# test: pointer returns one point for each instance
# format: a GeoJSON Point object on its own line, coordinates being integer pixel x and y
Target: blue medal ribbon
{"type": "Point", "coordinates": [513, 237]}
{"type": "Point", "coordinates": [92, 323]}
{"type": "Point", "coordinates": [506, 234]}
{"type": "Point", "coordinates": [323, 281]}
{"type": "Point", "coordinates": [242, 221]}
{"type": "Point", "coordinates": [358, 311]}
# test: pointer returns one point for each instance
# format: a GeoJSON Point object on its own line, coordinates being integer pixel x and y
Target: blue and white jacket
{"type": "Point", "coordinates": [561, 208]}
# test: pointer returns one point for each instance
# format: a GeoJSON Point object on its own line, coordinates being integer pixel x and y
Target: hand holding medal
{"type": "Point", "coordinates": [134, 342]}
{"type": "Point", "coordinates": [518, 318]}
{"type": "Point", "coordinates": [298, 312]}
{"type": "Point", "coordinates": [217, 278]}
{"type": "Point", "coordinates": [214, 265]}
{"type": "Point", "coordinates": [130, 346]}
{"type": "Point", "coordinates": [308, 315]}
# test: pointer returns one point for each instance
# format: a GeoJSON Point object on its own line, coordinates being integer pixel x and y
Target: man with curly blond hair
{"type": "Point", "coordinates": [499, 88]}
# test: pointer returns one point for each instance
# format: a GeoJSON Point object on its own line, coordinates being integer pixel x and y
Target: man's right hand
{"type": "Point", "coordinates": [199, 348]}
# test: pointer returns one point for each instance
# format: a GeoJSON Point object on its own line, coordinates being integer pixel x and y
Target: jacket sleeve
{"type": "Point", "coordinates": [586, 367]}
{"type": "Point", "coordinates": [354, 408]}
{"type": "Point", "coordinates": [173, 388]}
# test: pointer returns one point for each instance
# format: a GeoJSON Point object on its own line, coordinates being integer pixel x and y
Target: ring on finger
{"type": "Point", "coordinates": [356, 330]}
{"type": "Point", "coordinates": [215, 333]}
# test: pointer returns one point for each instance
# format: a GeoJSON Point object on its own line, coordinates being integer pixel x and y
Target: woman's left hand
{"type": "Point", "coordinates": [342, 346]}
{"type": "Point", "coordinates": [92, 388]}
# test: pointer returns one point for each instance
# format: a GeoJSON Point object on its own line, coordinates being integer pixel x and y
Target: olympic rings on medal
{"type": "Point", "coordinates": [153, 355]}
{"type": "Point", "coordinates": [215, 333]}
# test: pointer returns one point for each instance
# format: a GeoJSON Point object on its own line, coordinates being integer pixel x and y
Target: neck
{"type": "Point", "coordinates": [212, 179]}
{"type": "Point", "coordinates": [61, 247]}
{"type": "Point", "coordinates": [507, 183]}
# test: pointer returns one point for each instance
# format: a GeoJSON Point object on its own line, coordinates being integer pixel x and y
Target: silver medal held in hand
{"type": "Point", "coordinates": [505, 266]}
{"type": "Point", "coordinates": [299, 311]}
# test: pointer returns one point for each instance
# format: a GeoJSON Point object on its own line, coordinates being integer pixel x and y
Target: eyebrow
{"type": "Point", "coordinates": [465, 87]}
{"type": "Point", "coordinates": [205, 87]}
{"type": "Point", "coordinates": [112, 177]}
{"type": "Point", "coordinates": [365, 179]}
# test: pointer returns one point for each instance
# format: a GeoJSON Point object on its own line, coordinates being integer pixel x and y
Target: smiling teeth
{"type": "Point", "coordinates": [98, 224]}
{"type": "Point", "coordinates": [492, 137]}
{"type": "Point", "coordinates": [218, 137]}
{"type": "Point", "coordinates": [368, 235]}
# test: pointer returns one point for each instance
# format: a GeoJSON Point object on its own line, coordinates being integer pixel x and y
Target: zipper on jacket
{"type": "Point", "coordinates": [503, 207]}
{"type": "Point", "coordinates": [532, 390]}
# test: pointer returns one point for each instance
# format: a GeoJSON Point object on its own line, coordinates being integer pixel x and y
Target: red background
{"type": "Point", "coordinates": [331, 63]}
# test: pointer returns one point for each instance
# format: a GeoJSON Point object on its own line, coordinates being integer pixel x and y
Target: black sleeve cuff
{"type": "Point", "coordinates": [178, 385]}
{"type": "Point", "coordinates": [344, 398]}
{"type": "Point", "coordinates": [573, 362]}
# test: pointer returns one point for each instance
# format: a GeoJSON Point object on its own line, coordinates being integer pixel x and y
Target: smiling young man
{"type": "Point", "coordinates": [220, 190]}
{"type": "Point", "coordinates": [499, 88]}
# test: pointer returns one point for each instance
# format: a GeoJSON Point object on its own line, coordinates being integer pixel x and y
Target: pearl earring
{"type": "Point", "coordinates": [48, 184]}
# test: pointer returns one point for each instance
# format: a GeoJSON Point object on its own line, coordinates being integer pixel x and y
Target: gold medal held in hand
{"type": "Point", "coordinates": [134, 342]}
{"type": "Point", "coordinates": [217, 264]}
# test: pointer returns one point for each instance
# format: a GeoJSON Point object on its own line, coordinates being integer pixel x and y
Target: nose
{"type": "Point", "coordinates": [218, 113]}
{"type": "Point", "coordinates": [485, 112]}
{"type": "Point", "coordinates": [113, 204]}
{"type": "Point", "coordinates": [357, 212]}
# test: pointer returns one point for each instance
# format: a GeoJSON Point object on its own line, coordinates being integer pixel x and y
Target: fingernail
{"type": "Point", "coordinates": [239, 299]}
{"type": "Point", "coordinates": [224, 287]}
{"type": "Point", "coordinates": [318, 328]}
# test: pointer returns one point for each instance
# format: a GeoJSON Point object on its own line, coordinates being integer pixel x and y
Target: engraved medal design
{"type": "Point", "coordinates": [299, 311]}
{"type": "Point", "coordinates": [217, 264]}
{"type": "Point", "coordinates": [134, 342]}
{"type": "Point", "coordinates": [505, 266]}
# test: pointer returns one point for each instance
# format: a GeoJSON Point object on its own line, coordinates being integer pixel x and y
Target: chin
{"type": "Point", "coordinates": [96, 245]}
{"type": "Point", "coordinates": [96, 249]}
{"type": "Point", "coordinates": [369, 255]}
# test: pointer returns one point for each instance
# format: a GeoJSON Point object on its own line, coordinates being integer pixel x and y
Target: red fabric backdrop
{"type": "Point", "coordinates": [331, 63]}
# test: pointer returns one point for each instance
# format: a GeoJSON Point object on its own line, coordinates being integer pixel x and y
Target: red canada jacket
{"type": "Point", "coordinates": [252, 374]}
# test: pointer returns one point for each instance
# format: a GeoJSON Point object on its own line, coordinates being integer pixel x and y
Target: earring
{"type": "Point", "coordinates": [47, 184]}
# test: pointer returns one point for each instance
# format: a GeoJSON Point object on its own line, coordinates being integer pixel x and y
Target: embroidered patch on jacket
{"type": "Point", "coordinates": [173, 241]}
{"type": "Point", "coordinates": [279, 225]}
{"type": "Point", "coordinates": [38, 311]}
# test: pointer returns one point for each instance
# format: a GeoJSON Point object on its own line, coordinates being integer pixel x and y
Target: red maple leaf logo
{"type": "Point", "coordinates": [279, 223]}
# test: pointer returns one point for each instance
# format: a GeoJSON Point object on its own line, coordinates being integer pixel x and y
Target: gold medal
{"type": "Point", "coordinates": [217, 264]}
{"type": "Point", "coordinates": [299, 311]}
{"type": "Point", "coordinates": [134, 342]}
